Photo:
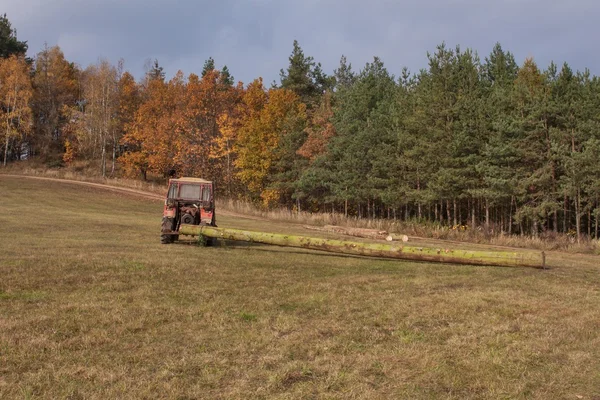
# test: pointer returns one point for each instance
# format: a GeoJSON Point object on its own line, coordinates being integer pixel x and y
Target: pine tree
{"type": "Point", "coordinates": [209, 65]}
{"type": "Point", "coordinates": [304, 77]}
{"type": "Point", "coordinates": [361, 122]}
{"type": "Point", "coordinates": [437, 107]}
{"type": "Point", "coordinates": [499, 162]}
{"type": "Point", "coordinates": [226, 77]}
{"type": "Point", "coordinates": [9, 44]}
{"type": "Point", "coordinates": [344, 76]}
{"type": "Point", "coordinates": [534, 144]}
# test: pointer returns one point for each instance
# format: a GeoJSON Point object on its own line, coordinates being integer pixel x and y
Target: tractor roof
{"type": "Point", "coordinates": [190, 180]}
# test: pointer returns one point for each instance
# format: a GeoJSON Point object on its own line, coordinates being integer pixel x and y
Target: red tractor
{"type": "Point", "coordinates": [189, 201]}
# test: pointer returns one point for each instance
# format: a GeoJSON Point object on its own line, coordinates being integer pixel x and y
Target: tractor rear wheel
{"type": "Point", "coordinates": [167, 226]}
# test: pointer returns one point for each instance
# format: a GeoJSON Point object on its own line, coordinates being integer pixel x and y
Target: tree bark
{"type": "Point", "coordinates": [473, 220]}
{"type": "Point", "coordinates": [104, 156]}
{"type": "Point", "coordinates": [596, 219]}
{"type": "Point", "coordinates": [7, 143]}
{"type": "Point", "coordinates": [510, 215]}
{"type": "Point", "coordinates": [454, 209]}
{"type": "Point", "coordinates": [487, 214]}
{"type": "Point", "coordinates": [578, 215]}
{"type": "Point", "coordinates": [589, 224]}
{"type": "Point", "coordinates": [7, 133]}
{"type": "Point", "coordinates": [565, 207]}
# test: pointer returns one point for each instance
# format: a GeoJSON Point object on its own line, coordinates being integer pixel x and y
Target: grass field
{"type": "Point", "coordinates": [93, 307]}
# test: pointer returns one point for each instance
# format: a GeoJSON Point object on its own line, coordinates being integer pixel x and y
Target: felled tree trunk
{"type": "Point", "coordinates": [384, 250]}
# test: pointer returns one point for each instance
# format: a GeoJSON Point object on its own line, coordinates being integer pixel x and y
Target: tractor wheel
{"type": "Point", "coordinates": [208, 241]}
{"type": "Point", "coordinates": [165, 239]}
{"type": "Point", "coordinates": [167, 226]}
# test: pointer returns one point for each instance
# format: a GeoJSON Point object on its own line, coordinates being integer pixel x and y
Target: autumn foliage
{"type": "Point", "coordinates": [15, 97]}
{"type": "Point", "coordinates": [486, 143]}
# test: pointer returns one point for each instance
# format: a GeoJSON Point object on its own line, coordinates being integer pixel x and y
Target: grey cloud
{"type": "Point", "coordinates": [254, 37]}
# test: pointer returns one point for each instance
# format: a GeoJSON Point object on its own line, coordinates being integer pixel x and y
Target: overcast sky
{"type": "Point", "coordinates": [254, 37]}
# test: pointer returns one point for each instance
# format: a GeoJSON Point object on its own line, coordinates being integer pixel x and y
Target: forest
{"type": "Point", "coordinates": [465, 142]}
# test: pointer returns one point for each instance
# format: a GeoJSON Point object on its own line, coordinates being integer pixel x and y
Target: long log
{"type": "Point", "coordinates": [384, 250]}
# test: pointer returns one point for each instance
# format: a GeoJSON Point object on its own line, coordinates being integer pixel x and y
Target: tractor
{"type": "Point", "coordinates": [189, 201]}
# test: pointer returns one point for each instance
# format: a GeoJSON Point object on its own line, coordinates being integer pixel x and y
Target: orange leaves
{"type": "Point", "coordinates": [207, 127]}
{"type": "Point", "coordinates": [178, 126]}
{"type": "Point", "coordinates": [320, 131]}
{"type": "Point", "coordinates": [15, 95]}
{"type": "Point", "coordinates": [129, 99]}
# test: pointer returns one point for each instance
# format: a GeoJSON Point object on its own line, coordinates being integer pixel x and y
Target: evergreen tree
{"type": "Point", "coordinates": [209, 65]}
{"type": "Point", "coordinates": [499, 156]}
{"type": "Point", "coordinates": [9, 44]}
{"type": "Point", "coordinates": [361, 122]}
{"type": "Point", "coordinates": [437, 105]}
{"type": "Point", "coordinates": [534, 144]}
{"type": "Point", "coordinates": [226, 77]}
{"type": "Point", "coordinates": [304, 77]}
{"type": "Point", "coordinates": [344, 76]}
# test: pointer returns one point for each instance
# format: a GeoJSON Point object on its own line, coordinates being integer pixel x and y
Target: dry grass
{"type": "Point", "coordinates": [89, 172]}
{"type": "Point", "coordinates": [91, 306]}
{"type": "Point", "coordinates": [85, 171]}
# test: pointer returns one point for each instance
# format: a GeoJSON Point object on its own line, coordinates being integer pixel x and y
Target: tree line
{"type": "Point", "coordinates": [463, 142]}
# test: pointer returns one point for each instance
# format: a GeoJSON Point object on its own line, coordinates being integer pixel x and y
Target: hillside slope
{"type": "Point", "coordinates": [92, 306]}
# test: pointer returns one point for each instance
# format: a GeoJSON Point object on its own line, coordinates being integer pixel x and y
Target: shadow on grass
{"type": "Point", "coordinates": [275, 250]}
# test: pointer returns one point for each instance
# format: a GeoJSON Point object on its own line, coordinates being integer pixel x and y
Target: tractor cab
{"type": "Point", "coordinates": [189, 201]}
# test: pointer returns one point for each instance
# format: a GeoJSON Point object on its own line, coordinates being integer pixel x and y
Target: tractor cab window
{"type": "Point", "coordinates": [172, 191]}
{"type": "Point", "coordinates": [189, 192]}
{"type": "Point", "coordinates": [206, 189]}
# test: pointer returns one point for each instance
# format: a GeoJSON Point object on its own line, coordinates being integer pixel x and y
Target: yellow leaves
{"type": "Point", "coordinates": [223, 143]}
{"type": "Point", "coordinates": [270, 197]}
{"type": "Point", "coordinates": [264, 121]}
{"type": "Point", "coordinates": [55, 81]}
{"type": "Point", "coordinates": [69, 154]}
{"type": "Point", "coordinates": [15, 96]}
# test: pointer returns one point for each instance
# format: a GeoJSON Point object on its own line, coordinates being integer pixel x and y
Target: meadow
{"type": "Point", "coordinates": [92, 306]}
